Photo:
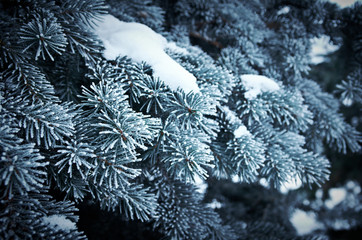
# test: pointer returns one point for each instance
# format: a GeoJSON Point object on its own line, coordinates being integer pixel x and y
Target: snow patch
{"type": "Point", "coordinates": [230, 115]}
{"type": "Point", "coordinates": [59, 222]}
{"type": "Point", "coordinates": [357, 190]}
{"type": "Point", "coordinates": [306, 202]}
{"type": "Point", "coordinates": [215, 204]}
{"type": "Point", "coordinates": [336, 196]}
{"type": "Point", "coordinates": [263, 182]}
{"type": "Point", "coordinates": [321, 47]}
{"type": "Point", "coordinates": [173, 47]}
{"type": "Point", "coordinates": [319, 194]}
{"type": "Point", "coordinates": [241, 131]}
{"type": "Point", "coordinates": [235, 179]}
{"type": "Point", "coordinates": [201, 185]}
{"type": "Point", "coordinates": [284, 10]}
{"type": "Point", "coordinates": [141, 43]}
{"type": "Point", "coordinates": [344, 3]}
{"type": "Point", "coordinates": [347, 101]}
{"type": "Point", "coordinates": [304, 222]}
{"type": "Point", "coordinates": [341, 224]}
{"type": "Point", "coordinates": [292, 184]}
{"type": "Point", "coordinates": [256, 84]}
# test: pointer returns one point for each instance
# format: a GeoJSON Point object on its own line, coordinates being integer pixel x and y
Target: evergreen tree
{"type": "Point", "coordinates": [116, 136]}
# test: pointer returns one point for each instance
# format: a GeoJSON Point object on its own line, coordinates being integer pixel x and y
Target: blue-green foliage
{"type": "Point", "coordinates": [138, 11]}
{"type": "Point", "coordinates": [22, 167]}
{"type": "Point", "coordinates": [181, 213]}
{"type": "Point", "coordinates": [26, 218]}
{"type": "Point", "coordinates": [351, 89]}
{"type": "Point", "coordinates": [112, 132]}
{"type": "Point", "coordinates": [45, 35]}
{"type": "Point", "coordinates": [35, 122]}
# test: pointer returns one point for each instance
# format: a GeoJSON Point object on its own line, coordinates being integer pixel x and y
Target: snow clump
{"type": "Point", "coordinates": [256, 84]}
{"type": "Point", "coordinates": [140, 43]}
{"type": "Point", "coordinates": [304, 222]}
{"type": "Point", "coordinates": [239, 131]}
{"type": "Point", "coordinates": [59, 222]}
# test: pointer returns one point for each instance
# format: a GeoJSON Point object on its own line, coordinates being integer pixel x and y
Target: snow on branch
{"type": "Point", "coordinates": [59, 222]}
{"type": "Point", "coordinates": [240, 129]}
{"type": "Point", "coordinates": [256, 84]}
{"type": "Point", "coordinates": [142, 44]}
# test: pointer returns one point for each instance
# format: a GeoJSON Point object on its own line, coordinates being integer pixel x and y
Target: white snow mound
{"type": "Point", "coordinates": [292, 183]}
{"type": "Point", "coordinates": [141, 43]}
{"type": "Point", "coordinates": [304, 222]}
{"type": "Point", "coordinates": [60, 222]}
{"type": "Point", "coordinates": [336, 196]}
{"type": "Point", "coordinates": [256, 84]}
{"type": "Point", "coordinates": [241, 131]}
{"type": "Point", "coordinates": [320, 47]}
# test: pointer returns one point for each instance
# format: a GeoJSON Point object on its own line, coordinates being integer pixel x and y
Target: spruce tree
{"type": "Point", "coordinates": [124, 136]}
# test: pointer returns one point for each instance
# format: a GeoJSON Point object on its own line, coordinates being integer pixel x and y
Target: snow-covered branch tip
{"type": "Point", "coordinates": [142, 44]}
